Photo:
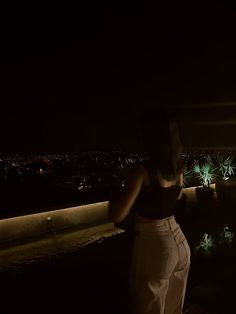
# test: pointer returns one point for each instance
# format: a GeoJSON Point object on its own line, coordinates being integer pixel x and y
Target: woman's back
{"type": "Point", "coordinates": [158, 196]}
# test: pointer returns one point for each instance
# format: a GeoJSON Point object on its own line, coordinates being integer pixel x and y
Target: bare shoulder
{"type": "Point", "coordinates": [166, 183]}
{"type": "Point", "coordinates": [180, 179]}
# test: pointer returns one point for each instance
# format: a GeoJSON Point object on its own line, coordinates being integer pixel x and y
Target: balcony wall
{"type": "Point", "coordinates": [18, 229]}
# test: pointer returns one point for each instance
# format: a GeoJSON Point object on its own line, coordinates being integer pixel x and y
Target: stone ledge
{"type": "Point", "coordinates": [77, 217]}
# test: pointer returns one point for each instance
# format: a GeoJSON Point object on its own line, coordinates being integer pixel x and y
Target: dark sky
{"type": "Point", "coordinates": [82, 86]}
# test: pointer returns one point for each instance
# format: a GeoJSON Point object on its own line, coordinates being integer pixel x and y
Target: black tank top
{"type": "Point", "coordinates": [154, 201]}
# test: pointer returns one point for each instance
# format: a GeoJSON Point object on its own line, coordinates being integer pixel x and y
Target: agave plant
{"type": "Point", "coordinates": [206, 171]}
{"type": "Point", "coordinates": [226, 236]}
{"type": "Point", "coordinates": [225, 165]}
{"type": "Point", "coordinates": [206, 244]}
{"type": "Point", "coordinates": [187, 175]}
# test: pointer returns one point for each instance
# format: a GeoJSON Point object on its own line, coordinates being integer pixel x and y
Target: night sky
{"type": "Point", "coordinates": [80, 86]}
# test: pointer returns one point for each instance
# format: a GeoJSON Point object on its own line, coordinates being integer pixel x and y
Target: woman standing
{"type": "Point", "coordinates": [161, 254]}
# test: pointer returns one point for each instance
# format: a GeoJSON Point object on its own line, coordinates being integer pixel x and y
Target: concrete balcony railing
{"type": "Point", "coordinates": [20, 228]}
{"type": "Point", "coordinates": [29, 237]}
{"type": "Point", "coordinates": [26, 238]}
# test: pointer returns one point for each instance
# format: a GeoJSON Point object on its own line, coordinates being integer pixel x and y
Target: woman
{"type": "Point", "coordinates": [161, 255]}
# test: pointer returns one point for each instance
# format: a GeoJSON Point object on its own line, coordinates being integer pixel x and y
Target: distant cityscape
{"type": "Point", "coordinates": [37, 182]}
{"type": "Point", "coordinates": [31, 183]}
{"type": "Point", "coordinates": [81, 170]}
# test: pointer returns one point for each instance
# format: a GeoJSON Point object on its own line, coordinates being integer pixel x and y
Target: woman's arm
{"type": "Point", "coordinates": [180, 182]}
{"type": "Point", "coordinates": [120, 206]}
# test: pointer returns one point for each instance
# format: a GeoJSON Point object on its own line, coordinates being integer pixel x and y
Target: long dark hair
{"type": "Point", "coordinates": [162, 143]}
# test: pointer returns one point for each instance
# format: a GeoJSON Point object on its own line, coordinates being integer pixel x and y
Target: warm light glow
{"type": "Point", "coordinates": [80, 217]}
{"type": "Point", "coordinates": [53, 232]}
{"type": "Point", "coordinates": [60, 228]}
